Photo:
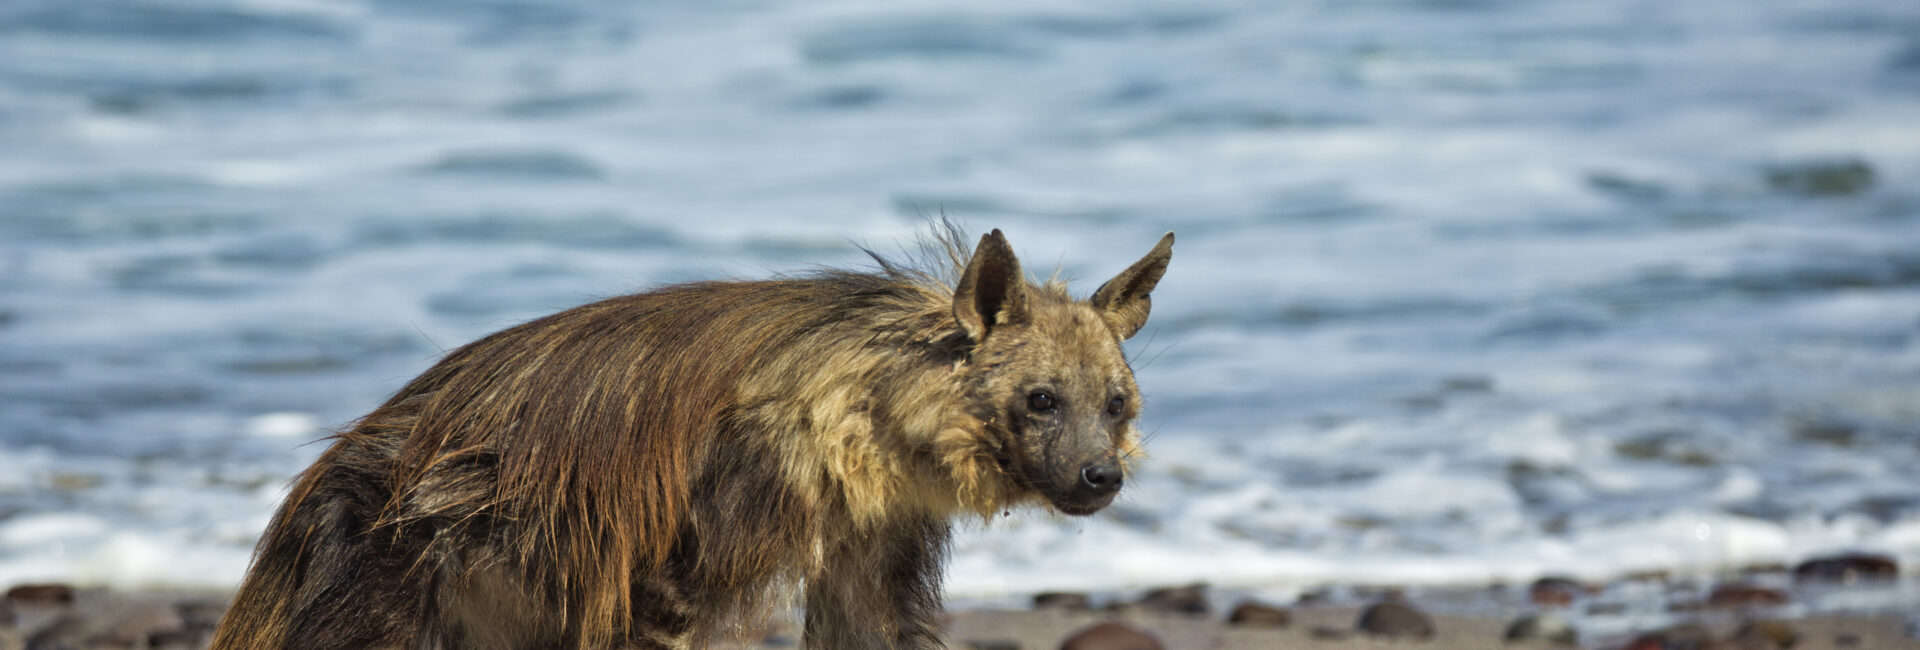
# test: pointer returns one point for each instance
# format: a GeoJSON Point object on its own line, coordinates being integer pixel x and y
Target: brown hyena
{"type": "Point", "coordinates": [642, 472]}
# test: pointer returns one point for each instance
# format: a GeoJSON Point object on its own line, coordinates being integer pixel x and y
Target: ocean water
{"type": "Point", "coordinates": [1465, 290]}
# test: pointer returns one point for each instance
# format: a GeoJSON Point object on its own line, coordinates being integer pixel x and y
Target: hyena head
{"type": "Point", "coordinates": [1048, 377]}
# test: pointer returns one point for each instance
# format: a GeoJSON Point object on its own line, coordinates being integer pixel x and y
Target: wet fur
{"type": "Point", "coordinates": [648, 471]}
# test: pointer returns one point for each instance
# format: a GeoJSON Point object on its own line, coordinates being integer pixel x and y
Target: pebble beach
{"type": "Point", "coordinates": [1844, 601]}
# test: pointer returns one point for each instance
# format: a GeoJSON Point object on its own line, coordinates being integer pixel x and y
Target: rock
{"type": "Point", "coordinates": [1555, 591]}
{"type": "Point", "coordinates": [1072, 601]}
{"type": "Point", "coordinates": [1253, 613]}
{"type": "Point", "coordinates": [1745, 595]}
{"type": "Point", "coordinates": [1847, 568]}
{"type": "Point", "coordinates": [1111, 636]}
{"type": "Point", "coordinates": [1547, 627]}
{"type": "Point", "coordinates": [1765, 635]}
{"type": "Point", "coordinates": [6, 613]}
{"type": "Point", "coordinates": [1190, 599]}
{"type": "Point", "coordinates": [1314, 596]}
{"type": "Point", "coordinates": [1846, 640]}
{"type": "Point", "coordinates": [41, 594]}
{"type": "Point", "coordinates": [996, 644]}
{"type": "Point", "coordinates": [1821, 178]}
{"type": "Point", "coordinates": [1395, 619]}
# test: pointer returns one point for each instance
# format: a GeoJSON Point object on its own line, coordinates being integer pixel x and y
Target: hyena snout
{"type": "Point", "coordinates": [1101, 478]}
{"type": "Point", "coordinates": [1091, 486]}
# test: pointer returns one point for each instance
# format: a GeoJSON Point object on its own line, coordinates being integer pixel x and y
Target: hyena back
{"type": "Point", "coordinates": [642, 471]}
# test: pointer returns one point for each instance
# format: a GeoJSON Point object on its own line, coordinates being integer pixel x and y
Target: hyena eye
{"type": "Point", "coordinates": [1041, 401]}
{"type": "Point", "coordinates": [1116, 405]}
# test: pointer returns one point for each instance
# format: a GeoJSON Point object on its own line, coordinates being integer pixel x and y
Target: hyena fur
{"type": "Point", "coordinates": [642, 472]}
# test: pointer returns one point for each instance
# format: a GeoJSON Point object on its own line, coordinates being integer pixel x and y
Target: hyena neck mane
{"type": "Point", "coordinates": [641, 471]}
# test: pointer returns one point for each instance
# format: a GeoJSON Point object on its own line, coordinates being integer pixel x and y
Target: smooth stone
{"type": "Point", "coordinates": [42, 594]}
{"type": "Point", "coordinates": [1847, 568]}
{"type": "Point", "coordinates": [1253, 613]}
{"type": "Point", "coordinates": [1395, 619]}
{"type": "Point", "coordinates": [1111, 636]}
{"type": "Point", "coordinates": [1189, 599]}
{"type": "Point", "coordinates": [1072, 601]}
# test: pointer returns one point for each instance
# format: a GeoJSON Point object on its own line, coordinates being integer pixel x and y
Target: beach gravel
{"type": "Point", "coordinates": [182, 620]}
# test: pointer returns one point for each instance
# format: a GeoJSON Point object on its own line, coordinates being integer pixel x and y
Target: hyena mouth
{"type": "Point", "coordinates": [1082, 507]}
{"type": "Point", "coordinates": [1079, 500]}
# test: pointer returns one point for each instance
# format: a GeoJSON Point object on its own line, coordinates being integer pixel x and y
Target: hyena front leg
{"type": "Point", "coordinates": [880, 590]}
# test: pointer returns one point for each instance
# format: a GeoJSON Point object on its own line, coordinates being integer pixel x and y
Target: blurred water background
{"type": "Point", "coordinates": [1465, 290]}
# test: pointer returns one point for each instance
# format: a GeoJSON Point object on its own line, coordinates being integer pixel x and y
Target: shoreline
{"type": "Point", "coordinates": [1840, 602]}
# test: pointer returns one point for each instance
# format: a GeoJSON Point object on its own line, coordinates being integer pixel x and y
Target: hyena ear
{"type": "Point", "coordinates": [992, 292]}
{"type": "Point", "coordinates": [1124, 301]}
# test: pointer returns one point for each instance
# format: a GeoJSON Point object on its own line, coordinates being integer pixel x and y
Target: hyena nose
{"type": "Point", "coordinates": [1101, 477]}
